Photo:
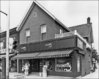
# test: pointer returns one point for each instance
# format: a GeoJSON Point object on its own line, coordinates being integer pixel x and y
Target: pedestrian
{"type": "Point", "coordinates": [26, 68]}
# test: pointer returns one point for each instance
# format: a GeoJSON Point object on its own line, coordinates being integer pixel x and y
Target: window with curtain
{"type": "Point", "coordinates": [43, 31]}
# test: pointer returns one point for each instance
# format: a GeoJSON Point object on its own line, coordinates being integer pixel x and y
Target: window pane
{"type": "Point", "coordinates": [28, 33]}
{"type": "Point", "coordinates": [43, 28]}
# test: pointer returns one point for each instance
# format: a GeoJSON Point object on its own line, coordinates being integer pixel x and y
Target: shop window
{"type": "Point", "coordinates": [51, 65]}
{"type": "Point", "coordinates": [43, 31]}
{"type": "Point", "coordinates": [78, 64]}
{"type": "Point", "coordinates": [27, 32]}
{"type": "Point", "coordinates": [13, 65]}
{"type": "Point", "coordinates": [63, 64]}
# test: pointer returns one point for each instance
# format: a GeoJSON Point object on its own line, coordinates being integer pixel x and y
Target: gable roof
{"type": "Point", "coordinates": [45, 10]}
{"type": "Point", "coordinates": [84, 30]}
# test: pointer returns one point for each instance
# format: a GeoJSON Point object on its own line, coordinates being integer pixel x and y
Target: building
{"type": "Point", "coordinates": [13, 37]}
{"type": "Point", "coordinates": [43, 39]}
{"type": "Point", "coordinates": [85, 30]}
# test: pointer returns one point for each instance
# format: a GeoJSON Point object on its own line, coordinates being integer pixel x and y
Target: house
{"type": "Point", "coordinates": [13, 37]}
{"type": "Point", "coordinates": [44, 40]}
{"type": "Point", "coordinates": [85, 30]}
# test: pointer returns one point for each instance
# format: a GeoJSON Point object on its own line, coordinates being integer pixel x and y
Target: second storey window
{"type": "Point", "coordinates": [27, 32]}
{"type": "Point", "coordinates": [43, 31]}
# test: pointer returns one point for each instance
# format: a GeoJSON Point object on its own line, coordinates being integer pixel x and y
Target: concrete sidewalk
{"type": "Point", "coordinates": [34, 76]}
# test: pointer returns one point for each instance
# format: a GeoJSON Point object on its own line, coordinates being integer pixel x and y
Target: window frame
{"type": "Point", "coordinates": [43, 33]}
{"type": "Point", "coordinates": [27, 30]}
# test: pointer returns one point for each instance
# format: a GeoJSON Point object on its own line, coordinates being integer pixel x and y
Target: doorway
{"type": "Point", "coordinates": [34, 65]}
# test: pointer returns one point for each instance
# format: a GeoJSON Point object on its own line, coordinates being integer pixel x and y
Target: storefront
{"type": "Point", "coordinates": [63, 57]}
{"type": "Point", "coordinates": [65, 64]}
{"type": "Point", "coordinates": [12, 63]}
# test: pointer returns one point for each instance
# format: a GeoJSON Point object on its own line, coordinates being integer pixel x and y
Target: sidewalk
{"type": "Point", "coordinates": [34, 76]}
{"type": "Point", "coordinates": [93, 75]}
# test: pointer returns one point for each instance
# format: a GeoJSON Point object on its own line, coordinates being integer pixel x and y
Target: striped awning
{"type": "Point", "coordinates": [51, 54]}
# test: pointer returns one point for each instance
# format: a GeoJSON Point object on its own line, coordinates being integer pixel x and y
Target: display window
{"type": "Point", "coordinates": [63, 64]}
{"type": "Point", "coordinates": [78, 64]}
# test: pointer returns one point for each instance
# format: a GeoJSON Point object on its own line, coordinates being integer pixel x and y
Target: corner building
{"type": "Point", "coordinates": [44, 39]}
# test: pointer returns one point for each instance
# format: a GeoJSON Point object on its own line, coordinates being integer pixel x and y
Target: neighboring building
{"type": "Point", "coordinates": [85, 30]}
{"type": "Point", "coordinates": [44, 40]}
{"type": "Point", "coordinates": [13, 37]}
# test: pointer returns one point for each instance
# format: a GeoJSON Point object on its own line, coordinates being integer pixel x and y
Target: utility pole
{"type": "Point", "coordinates": [0, 17]}
{"type": "Point", "coordinates": [7, 41]}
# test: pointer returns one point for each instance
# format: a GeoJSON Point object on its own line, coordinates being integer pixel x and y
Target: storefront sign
{"type": "Point", "coordinates": [48, 45]}
{"type": "Point", "coordinates": [79, 43]}
{"type": "Point", "coordinates": [23, 48]}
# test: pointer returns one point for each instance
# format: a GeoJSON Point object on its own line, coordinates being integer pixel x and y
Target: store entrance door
{"type": "Point", "coordinates": [34, 65]}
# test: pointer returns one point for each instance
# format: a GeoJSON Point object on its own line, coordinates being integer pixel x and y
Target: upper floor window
{"type": "Point", "coordinates": [43, 31]}
{"type": "Point", "coordinates": [61, 31]}
{"type": "Point", "coordinates": [43, 28]}
{"type": "Point", "coordinates": [27, 32]}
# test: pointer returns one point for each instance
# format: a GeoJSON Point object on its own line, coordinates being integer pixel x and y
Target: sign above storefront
{"type": "Point", "coordinates": [55, 44]}
{"type": "Point", "coordinates": [79, 43]}
{"type": "Point", "coordinates": [48, 45]}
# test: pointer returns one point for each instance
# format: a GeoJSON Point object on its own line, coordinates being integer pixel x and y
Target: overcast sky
{"type": "Point", "coordinates": [71, 13]}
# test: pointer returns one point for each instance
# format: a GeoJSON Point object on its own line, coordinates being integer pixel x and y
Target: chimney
{"type": "Point", "coordinates": [88, 20]}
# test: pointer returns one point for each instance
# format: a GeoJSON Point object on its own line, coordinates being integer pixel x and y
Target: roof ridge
{"type": "Point", "coordinates": [79, 25]}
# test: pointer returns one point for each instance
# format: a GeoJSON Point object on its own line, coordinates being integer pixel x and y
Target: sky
{"type": "Point", "coordinates": [70, 13]}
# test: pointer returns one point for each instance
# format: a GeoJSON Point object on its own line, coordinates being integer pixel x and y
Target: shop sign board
{"type": "Point", "coordinates": [79, 43]}
{"type": "Point", "coordinates": [55, 44]}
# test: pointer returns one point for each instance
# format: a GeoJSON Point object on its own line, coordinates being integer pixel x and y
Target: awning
{"type": "Point", "coordinates": [50, 54]}
{"type": "Point", "coordinates": [4, 56]}
{"type": "Point", "coordinates": [25, 56]}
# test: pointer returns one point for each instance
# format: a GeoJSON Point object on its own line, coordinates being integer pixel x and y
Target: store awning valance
{"type": "Point", "coordinates": [50, 54]}
{"type": "Point", "coordinates": [4, 56]}
{"type": "Point", "coordinates": [25, 56]}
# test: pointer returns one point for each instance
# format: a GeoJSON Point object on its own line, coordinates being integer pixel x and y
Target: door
{"type": "Point", "coordinates": [34, 65]}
